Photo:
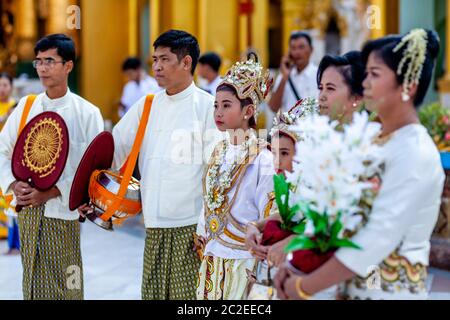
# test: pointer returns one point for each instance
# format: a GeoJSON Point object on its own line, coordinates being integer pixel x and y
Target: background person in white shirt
{"type": "Point", "coordinates": [139, 84]}
{"type": "Point", "coordinates": [49, 231]}
{"type": "Point", "coordinates": [208, 71]}
{"type": "Point", "coordinates": [171, 162]}
{"type": "Point", "coordinates": [298, 75]}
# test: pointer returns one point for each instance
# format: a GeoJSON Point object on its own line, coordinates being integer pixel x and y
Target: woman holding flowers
{"type": "Point", "coordinates": [395, 241]}
{"type": "Point", "coordinates": [339, 79]}
{"type": "Point", "coordinates": [236, 184]}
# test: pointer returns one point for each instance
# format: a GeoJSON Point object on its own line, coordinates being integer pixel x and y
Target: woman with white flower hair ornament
{"type": "Point", "coordinates": [236, 184]}
{"type": "Point", "coordinates": [395, 241]}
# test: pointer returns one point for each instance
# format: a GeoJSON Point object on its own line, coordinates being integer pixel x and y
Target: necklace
{"type": "Point", "coordinates": [218, 184]}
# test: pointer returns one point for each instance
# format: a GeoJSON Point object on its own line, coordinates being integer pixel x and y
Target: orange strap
{"type": "Point", "coordinates": [131, 162]}
{"type": "Point", "coordinates": [26, 112]}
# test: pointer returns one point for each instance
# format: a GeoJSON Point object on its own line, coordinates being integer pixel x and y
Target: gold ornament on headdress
{"type": "Point", "coordinates": [249, 80]}
{"type": "Point", "coordinates": [284, 120]}
{"type": "Point", "coordinates": [414, 55]}
{"type": "Point", "coordinates": [43, 147]}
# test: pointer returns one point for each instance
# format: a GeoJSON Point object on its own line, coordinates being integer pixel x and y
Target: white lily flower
{"type": "Point", "coordinates": [330, 166]}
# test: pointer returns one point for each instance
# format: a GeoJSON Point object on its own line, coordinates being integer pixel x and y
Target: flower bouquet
{"type": "Point", "coordinates": [436, 119]}
{"type": "Point", "coordinates": [333, 175]}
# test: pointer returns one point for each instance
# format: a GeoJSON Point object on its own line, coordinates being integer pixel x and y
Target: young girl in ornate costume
{"type": "Point", "coordinates": [236, 184]}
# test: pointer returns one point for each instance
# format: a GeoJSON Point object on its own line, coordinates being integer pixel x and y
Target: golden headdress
{"type": "Point", "coordinates": [250, 80]}
{"type": "Point", "coordinates": [284, 120]}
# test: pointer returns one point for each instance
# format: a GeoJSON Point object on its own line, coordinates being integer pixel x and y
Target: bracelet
{"type": "Point", "coordinates": [298, 286]}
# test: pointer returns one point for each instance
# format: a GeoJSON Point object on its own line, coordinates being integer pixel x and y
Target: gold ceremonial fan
{"type": "Point", "coordinates": [41, 152]}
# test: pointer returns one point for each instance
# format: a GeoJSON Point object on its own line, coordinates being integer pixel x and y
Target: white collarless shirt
{"type": "Point", "coordinates": [84, 122]}
{"type": "Point", "coordinates": [305, 83]}
{"type": "Point", "coordinates": [134, 91]}
{"type": "Point", "coordinates": [178, 141]}
{"type": "Point", "coordinates": [211, 88]}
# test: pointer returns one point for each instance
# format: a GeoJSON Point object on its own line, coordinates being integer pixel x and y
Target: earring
{"type": "Point", "coordinates": [405, 97]}
{"type": "Point", "coordinates": [245, 118]}
{"type": "Point", "coordinates": [355, 104]}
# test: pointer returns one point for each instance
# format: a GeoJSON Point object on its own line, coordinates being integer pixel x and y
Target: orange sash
{"type": "Point", "coordinates": [131, 162]}
{"type": "Point", "coordinates": [23, 122]}
{"type": "Point", "coordinates": [26, 112]}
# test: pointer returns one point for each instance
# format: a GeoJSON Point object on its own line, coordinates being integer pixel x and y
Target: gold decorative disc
{"type": "Point", "coordinates": [43, 147]}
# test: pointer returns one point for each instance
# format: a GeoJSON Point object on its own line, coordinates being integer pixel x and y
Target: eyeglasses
{"type": "Point", "coordinates": [49, 63]}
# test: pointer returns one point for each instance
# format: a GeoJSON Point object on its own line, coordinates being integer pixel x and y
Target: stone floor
{"type": "Point", "coordinates": [113, 265]}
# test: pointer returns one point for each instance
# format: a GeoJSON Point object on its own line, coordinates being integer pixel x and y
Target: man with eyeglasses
{"type": "Point", "coordinates": [49, 231]}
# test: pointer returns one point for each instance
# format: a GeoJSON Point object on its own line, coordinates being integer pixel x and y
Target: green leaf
{"type": "Point", "coordinates": [336, 227]}
{"type": "Point", "coordinates": [300, 228]}
{"type": "Point", "coordinates": [313, 216]}
{"type": "Point", "coordinates": [293, 211]}
{"type": "Point", "coordinates": [281, 188]}
{"type": "Point", "coordinates": [300, 243]}
{"type": "Point", "coordinates": [323, 244]}
{"type": "Point", "coordinates": [321, 224]}
{"type": "Point", "coordinates": [344, 243]}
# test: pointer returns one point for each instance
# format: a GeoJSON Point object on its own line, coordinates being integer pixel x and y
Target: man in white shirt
{"type": "Point", "coordinates": [208, 71]}
{"type": "Point", "coordinates": [171, 162]}
{"type": "Point", "coordinates": [298, 75]}
{"type": "Point", "coordinates": [139, 84]}
{"type": "Point", "coordinates": [49, 231]}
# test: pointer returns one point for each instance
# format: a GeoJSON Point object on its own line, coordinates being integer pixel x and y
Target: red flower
{"type": "Point", "coordinates": [308, 261]}
{"type": "Point", "coordinates": [447, 136]}
{"type": "Point", "coordinates": [273, 233]}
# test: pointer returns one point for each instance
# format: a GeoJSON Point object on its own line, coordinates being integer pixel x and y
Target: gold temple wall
{"type": "Point", "coordinates": [110, 32]}
{"type": "Point", "coordinates": [104, 44]}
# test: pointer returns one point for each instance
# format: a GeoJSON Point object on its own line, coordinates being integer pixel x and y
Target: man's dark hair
{"type": "Point", "coordinates": [62, 43]}
{"type": "Point", "coordinates": [131, 63]}
{"type": "Point", "coordinates": [211, 59]}
{"type": "Point", "coordinates": [180, 43]}
{"type": "Point", "coordinates": [300, 34]}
